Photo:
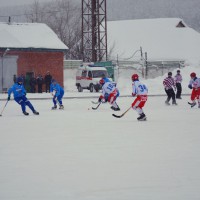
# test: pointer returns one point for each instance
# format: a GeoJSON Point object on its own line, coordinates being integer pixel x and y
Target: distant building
{"type": "Point", "coordinates": [29, 48]}
{"type": "Point", "coordinates": [163, 39]}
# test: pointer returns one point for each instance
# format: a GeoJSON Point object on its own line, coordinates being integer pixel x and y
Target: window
{"type": "Point", "coordinates": [84, 73]}
{"type": "Point", "coordinates": [99, 73]}
{"type": "Point", "coordinates": [90, 74]}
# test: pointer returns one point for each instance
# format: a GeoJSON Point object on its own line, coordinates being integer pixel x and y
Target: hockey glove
{"type": "Point", "coordinates": [190, 86]}
{"type": "Point", "coordinates": [8, 98]}
{"type": "Point", "coordinates": [100, 99]}
{"type": "Point", "coordinates": [133, 94]}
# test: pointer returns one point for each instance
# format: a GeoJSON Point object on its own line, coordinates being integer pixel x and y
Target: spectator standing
{"type": "Point", "coordinates": [33, 83]}
{"type": "Point", "coordinates": [47, 80]}
{"type": "Point", "coordinates": [169, 85]}
{"type": "Point", "coordinates": [14, 78]}
{"type": "Point", "coordinates": [40, 81]}
{"type": "Point", "coordinates": [178, 80]}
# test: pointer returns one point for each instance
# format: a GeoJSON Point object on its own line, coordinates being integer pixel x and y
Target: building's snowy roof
{"type": "Point", "coordinates": [29, 35]}
{"type": "Point", "coordinates": [160, 38]}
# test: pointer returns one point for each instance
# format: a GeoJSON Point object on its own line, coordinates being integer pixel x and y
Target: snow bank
{"type": "Point", "coordinates": [124, 81]}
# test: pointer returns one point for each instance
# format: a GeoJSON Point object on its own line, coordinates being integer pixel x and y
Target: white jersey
{"type": "Point", "coordinates": [195, 83]}
{"type": "Point", "coordinates": [139, 88]}
{"type": "Point", "coordinates": [108, 88]}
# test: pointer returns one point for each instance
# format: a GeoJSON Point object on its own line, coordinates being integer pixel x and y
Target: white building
{"type": "Point", "coordinates": [162, 39]}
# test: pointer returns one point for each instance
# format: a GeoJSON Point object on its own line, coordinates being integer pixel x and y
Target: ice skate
{"type": "Point", "coordinates": [174, 103]}
{"type": "Point", "coordinates": [35, 112]}
{"type": "Point", "coordinates": [112, 107]}
{"type": "Point", "coordinates": [167, 103]}
{"type": "Point", "coordinates": [115, 109]}
{"type": "Point", "coordinates": [142, 117]}
{"type": "Point", "coordinates": [193, 104]}
{"type": "Point", "coordinates": [54, 107]}
{"type": "Point", "coordinates": [25, 113]}
{"type": "Point", "coordinates": [61, 107]}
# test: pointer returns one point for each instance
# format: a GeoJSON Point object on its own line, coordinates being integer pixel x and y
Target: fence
{"type": "Point", "coordinates": [151, 69]}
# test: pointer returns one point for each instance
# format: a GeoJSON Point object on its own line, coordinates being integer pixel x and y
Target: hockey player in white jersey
{"type": "Point", "coordinates": [109, 94]}
{"type": "Point", "coordinates": [194, 84]}
{"type": "Point", "coordinates": [140, 91]}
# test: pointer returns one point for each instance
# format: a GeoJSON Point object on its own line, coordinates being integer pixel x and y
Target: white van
{"type": "Point", "coordinates": [88, 76]}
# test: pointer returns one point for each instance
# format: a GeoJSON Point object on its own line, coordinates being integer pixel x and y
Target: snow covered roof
{"type": "Point", "coordinates": [29, 35]}
{"type": "Point", "coordinates": [161, 38]}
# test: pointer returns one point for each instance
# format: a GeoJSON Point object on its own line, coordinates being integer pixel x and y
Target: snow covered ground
{"type": "Point", "coordinates": [84, 154]}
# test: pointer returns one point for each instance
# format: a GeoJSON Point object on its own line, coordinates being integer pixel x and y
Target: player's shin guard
{"type": "Point", "coordinates": [139, 110]}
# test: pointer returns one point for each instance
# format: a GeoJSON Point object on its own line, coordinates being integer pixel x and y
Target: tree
{"type": "Point", "coordinates": [64, 18]}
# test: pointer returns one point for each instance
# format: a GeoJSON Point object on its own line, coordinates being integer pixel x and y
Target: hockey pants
{"type": "Point", "coordinates": [23, 101]}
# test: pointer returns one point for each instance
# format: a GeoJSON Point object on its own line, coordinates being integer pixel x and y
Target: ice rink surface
{"type": "Point", "coordinates": [84, 154]}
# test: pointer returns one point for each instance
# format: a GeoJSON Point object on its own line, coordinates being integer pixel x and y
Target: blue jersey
{"type": "Point", "coordinates": [18, 90]}
{"type": "Point", "coordinates": [57, 89]}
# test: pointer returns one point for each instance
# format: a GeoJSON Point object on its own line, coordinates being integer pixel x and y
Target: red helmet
{"type": "Point", "coordinates": [101, 82]}
{"type": "Point", "coordinates": [135, 77]}
{"type": "Point", "coordinates": [193, 74]}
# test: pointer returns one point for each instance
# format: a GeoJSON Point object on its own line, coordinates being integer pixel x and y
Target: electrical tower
{"type": "Point", "coordinates": [94, 30]}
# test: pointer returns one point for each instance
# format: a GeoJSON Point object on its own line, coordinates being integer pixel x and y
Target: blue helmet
{"type": "Point", "coordinates": [106, 79]}
{"type": "Point", "coordinates": [19, 79]}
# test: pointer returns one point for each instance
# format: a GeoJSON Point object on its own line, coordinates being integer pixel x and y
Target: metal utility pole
{"type": "Point", "coordinates": [2, 70]}
{"type": "Point", "coordinates": [94, 30]}
{"type": "Point", "coordinates": [146, 66]}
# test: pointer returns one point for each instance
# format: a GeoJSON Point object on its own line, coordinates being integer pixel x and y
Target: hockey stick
{"type": "Point", "coordinates": [119, 116]}
{"type": "Point", "coordinates": [97, 106]}
{"type": "Point", "coordinates": [192, 104]}
{"type": "Point", "coordinates": [3, 108]}
{"type": "Point", "coordinates": [94, 102]}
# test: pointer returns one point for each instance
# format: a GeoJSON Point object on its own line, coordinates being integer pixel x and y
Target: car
{"type": "Point", "coordinates": [88, 76]}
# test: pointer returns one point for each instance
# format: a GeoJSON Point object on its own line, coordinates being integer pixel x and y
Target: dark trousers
{"type": "Point", "coordinates": [39, 88]}
{"type": "Point", "coordinates": [32, 89]}
{"type": "Point", "coordinates": [170, 94]}
{"type": "Point", "coordinates": [179, 90]}
{"type": "Point", "coordinates": [48, 87]}
{"type": "Point", "coordinates": [23, 101]}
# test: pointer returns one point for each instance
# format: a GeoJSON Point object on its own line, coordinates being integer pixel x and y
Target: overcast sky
{"type": "Point", "coordinates": [4, 3]}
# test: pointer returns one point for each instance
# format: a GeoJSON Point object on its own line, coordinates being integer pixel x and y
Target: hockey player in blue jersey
{"type": "Point", "coordinates": [19, 93]}
{"type": "Point", "coordinates": [57, 93]}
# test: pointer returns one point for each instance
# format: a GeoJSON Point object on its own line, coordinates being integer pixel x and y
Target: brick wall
{"type": "Point", "coordinates": [40, 63]}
